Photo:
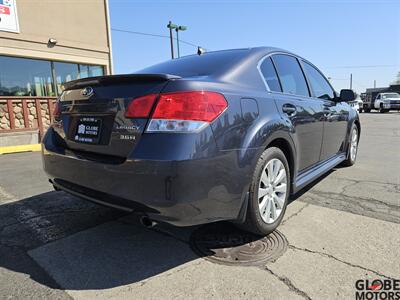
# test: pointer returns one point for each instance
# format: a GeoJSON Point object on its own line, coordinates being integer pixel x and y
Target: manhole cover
{"type": "Point", "coordinates": [225, 244]}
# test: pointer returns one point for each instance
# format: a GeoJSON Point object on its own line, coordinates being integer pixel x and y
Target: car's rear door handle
{"type": "Point", "coordinates": [289, 109]}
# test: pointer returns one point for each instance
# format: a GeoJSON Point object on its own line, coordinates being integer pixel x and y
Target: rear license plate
{"type": "Point", "coordinates": [88, 130]}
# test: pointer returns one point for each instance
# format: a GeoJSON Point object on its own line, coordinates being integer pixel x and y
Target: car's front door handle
{"type": "Point", "coordinates": [289, 109]}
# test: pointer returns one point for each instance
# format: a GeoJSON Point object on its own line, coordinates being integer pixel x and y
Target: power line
{"type": "Point", "coordinates": [152, 34]}
{"type": "Point", "coordinates": [366, 66]}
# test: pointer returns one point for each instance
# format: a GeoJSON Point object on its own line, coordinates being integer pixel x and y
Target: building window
{"type": "Point", "coordinates": [65, 72]}
{"type": "Point", "coordinates": [25, 77]}
{"type": "Point", "coordinates": [34, 77]}
{"type": "Point", "coordinates": [95, 71]}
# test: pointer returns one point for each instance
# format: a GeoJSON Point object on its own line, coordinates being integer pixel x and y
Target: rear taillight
{"type": "Point", "coordinates": [186, 111]}
{"type": "Point", "coordinates": [141, 107]}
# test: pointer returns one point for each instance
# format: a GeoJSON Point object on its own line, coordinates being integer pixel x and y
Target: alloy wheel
{"type": "Point", "coordinates": [272, 190]}
{"type": "Point", "coordinates": [354, 144]}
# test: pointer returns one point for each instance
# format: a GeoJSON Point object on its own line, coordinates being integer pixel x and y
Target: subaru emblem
{"type": "Point", "coordinates": [87, 91]}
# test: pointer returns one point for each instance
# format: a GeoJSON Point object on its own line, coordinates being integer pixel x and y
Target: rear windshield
{"type": "Point", "coordinates": [197, 65]}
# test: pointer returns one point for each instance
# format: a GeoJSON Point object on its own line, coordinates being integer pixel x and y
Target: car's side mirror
{"type": "Point", "coordinates": [347, 95]}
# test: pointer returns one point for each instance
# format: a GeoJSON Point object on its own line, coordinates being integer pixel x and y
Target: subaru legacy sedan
{"type": "Point", "coordinates": [225, 135]}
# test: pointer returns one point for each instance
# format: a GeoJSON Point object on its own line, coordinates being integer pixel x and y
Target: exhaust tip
{"type": "Point", "coordinates": [147, 222]}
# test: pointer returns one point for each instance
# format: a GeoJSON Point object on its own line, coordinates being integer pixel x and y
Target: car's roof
{"type": "Point", "coordinates": [212, 63]}
{"type": "Point", "coordinates": [262, 50]}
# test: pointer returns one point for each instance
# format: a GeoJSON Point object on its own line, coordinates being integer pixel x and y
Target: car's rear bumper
{"type": "Point", "coordinates": [181, 192]}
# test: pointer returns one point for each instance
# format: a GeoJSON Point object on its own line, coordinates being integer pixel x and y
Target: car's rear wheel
{"type": "Point", "coordinates": [269, 192]}
{"type": "Point", "coordinates": [353, 147]}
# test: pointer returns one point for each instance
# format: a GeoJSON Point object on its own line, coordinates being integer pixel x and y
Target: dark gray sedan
{"type": "Point", "coordinates": [226, 135]}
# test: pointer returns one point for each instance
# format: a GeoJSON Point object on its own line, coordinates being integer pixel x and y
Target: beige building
{"type": "Point", "coordinates": [43, 44]}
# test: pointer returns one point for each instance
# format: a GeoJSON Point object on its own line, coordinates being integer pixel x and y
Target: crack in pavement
{"type": "Point", "coordinates": [289, 284]}
{"type": "Point", "coordinates": [295, 214]}
{"type": "Point", "coordinates": [339, 260]}
{"type": "Point", "coordinates": [365, 199]}
{"type": "Point", "coordinates": [391, 187]}
{"type": "Point", "coordinates": [395, 185]}
{"type": "Point", "coordinates": [369, 207]}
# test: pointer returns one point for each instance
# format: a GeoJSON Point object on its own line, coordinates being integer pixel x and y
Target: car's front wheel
{"type": "Point", "coordinates": [269, 192]}
{"type": "Point", "coordinates": [353, 147]}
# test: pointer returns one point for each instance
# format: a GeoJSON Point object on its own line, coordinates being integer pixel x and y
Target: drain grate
{"type": "Point", "coordinates": [224, 243]}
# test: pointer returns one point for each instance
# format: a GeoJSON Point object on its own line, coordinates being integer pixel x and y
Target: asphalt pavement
{"type": "Point", "coordinates": [343, 228]}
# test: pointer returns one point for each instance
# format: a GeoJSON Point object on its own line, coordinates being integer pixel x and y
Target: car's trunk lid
{"type": "Point", "coordinates": [93, 122]}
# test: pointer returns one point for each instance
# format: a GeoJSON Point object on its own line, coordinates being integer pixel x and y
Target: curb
{"type": "Point", "coordinates": [20, 148]}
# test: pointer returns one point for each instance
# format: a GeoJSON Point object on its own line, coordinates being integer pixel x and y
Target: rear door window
{"type": "Point", "coordinates": [290, 74]}
{"type": "Point", "coordinates": [319, 85]}
{"type": "Point", "coordinates": [271, 78]}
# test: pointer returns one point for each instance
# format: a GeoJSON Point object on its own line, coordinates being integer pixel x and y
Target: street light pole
{"type": "Point", "coordinates": [351, 80]}
{"type": "Point", "coordinates": [177, 41]}
{"type": "Point", "coordinates": [177, 28]}
{"type": "Point", "coordinates": [171, 26]}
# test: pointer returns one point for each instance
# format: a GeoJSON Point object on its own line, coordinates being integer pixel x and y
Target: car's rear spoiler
{"type": "Point", "coordinates": [115, 79]}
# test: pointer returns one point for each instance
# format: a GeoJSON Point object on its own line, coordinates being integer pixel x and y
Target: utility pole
{"type": "Point", "coordinates": [351, 80]}
{"type": "Point", "coordinates": [171, 39]}
{"type": "Point", "coordinates": [374, 83]}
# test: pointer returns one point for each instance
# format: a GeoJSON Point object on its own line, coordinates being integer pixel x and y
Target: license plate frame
{"type": "Point", "coordinates": [88, 130]}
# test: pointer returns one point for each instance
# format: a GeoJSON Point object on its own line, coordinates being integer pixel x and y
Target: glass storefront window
{"type": "Point", "coordinates": [84, 71]}
{"type": "Point", "coordinates": [90, 71]}
{"type": "Point", "coordinates": [25, 77]}
{"type": "Point", "coordinates": [34, 77]}
{"type": "Point", "coordinates": [65, 72]}
{"type": "Point", "coordinates": [95, 71]}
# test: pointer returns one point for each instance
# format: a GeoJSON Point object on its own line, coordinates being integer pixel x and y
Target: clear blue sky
{"type": "Point", "coordinates": [340, 37]}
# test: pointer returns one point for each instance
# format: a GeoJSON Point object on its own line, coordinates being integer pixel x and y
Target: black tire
{"type": "Point", "coordinates": [254, 222]}
{"type": "Point", "coordinates": [381, 110]}
{"type": "Point", "coordinates": [367, 110]}
{"type": "Point", "coordinates": [350, 160]}
{"type": "Point", "coordinates": [360, 110]}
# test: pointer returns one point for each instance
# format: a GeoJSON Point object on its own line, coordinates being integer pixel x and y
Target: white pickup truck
{"type": "Point", "coordinates": [387, 101]}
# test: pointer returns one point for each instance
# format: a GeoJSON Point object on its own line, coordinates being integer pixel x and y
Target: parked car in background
{"type": "Point", "coordinates": [387, 101]}
{"type": "Point", "coordinates": [226, 135]}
